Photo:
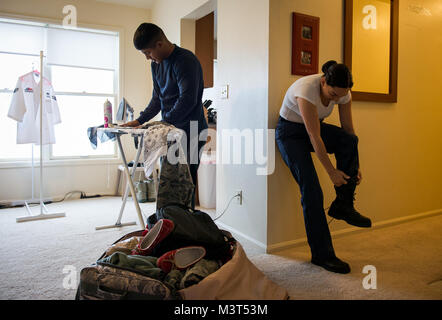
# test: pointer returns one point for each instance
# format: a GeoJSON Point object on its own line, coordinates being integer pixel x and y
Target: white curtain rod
{"type": "Point", "coordinates": [22, 54]}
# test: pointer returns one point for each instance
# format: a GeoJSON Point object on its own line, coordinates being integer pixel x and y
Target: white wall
{"type": "Point", "coordinates": [91, 177]}
{"type": "Point", "coordinates": [243, 65]}
{"type": "Point", "coordinates": [167, 14]}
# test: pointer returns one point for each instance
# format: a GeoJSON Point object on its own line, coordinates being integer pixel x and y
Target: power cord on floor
{"type": "Point", "coordinates": [83, 195]}
{"type": "Point", "coordinates": [67, 195]}
{"type": "Point", "coordinates": [237, 195]}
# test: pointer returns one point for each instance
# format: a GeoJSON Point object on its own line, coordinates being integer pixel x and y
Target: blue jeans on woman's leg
{"type": "Point", "coordinates": [295, 147]}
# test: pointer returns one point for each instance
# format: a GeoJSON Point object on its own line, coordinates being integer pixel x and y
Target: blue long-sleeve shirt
{"type": "Point", "coordinates": [177, 91]}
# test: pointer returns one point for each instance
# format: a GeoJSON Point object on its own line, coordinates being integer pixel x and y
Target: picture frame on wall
{"type": "Point", "coordinates": [305, 44]}
{"type": "Point", "coordinates": [371, 48]}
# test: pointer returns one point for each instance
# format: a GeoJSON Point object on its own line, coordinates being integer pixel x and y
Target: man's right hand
{"type": "Point", "coordinates": [132, 124]}
{"type": "Point", "coordinates": [338, 177]}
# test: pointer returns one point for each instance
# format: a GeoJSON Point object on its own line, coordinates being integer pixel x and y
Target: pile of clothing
{"type": "Point", "coordinates": [177, 268]}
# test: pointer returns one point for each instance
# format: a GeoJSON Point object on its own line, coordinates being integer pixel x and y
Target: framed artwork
{"type": "Point", "coordinates": [305, 44]}
{"type": "Point", "coordinates": [371, 48]}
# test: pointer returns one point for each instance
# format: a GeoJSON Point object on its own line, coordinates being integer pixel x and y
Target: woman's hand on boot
{"type": "Point", "coordinates": [338, 177]}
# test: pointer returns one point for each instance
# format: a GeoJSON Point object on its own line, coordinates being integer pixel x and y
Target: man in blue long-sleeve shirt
{"type": "Point", "coordinates": [177, 88]}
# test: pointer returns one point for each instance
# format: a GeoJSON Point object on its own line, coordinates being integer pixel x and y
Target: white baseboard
{"type": "Point", "coordinates": [56, 198]}
{"type": "Point", "coordinates": [29, 201]}
{"type": "Point", "coordinates": [378, 225]}
{"type": "Point", "coordinates": [239, 233]}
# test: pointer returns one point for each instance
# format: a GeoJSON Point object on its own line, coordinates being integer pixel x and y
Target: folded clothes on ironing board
{"type": "Point", "coordinates": [162, 139]}
{"type": "Point", "coordinates": [104, 136]}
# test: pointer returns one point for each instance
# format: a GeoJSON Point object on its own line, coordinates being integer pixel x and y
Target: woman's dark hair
{"type": "Point", "coordinates": [146, 36]}
{"type": "Point", "coordinates": [337, 74]}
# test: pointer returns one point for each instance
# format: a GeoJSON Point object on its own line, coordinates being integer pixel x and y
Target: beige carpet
{"type": "Point", "coordinates": [407, 258]}
{"type": "Point", "coordinates": [37, 257]}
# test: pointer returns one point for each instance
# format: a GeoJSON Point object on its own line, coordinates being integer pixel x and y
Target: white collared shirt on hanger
{"type": "Point", "coordinates": [25, 108]}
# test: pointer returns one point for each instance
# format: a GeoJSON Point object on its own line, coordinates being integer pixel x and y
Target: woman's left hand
{"type": "Point", "coordinates": [359, 177]}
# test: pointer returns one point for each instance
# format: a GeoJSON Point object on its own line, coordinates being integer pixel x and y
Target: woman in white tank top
{"type": "Point", "coordinates": [299, 132]}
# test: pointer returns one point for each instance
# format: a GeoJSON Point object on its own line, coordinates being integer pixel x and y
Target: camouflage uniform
{"type": "Point", "coordinates": [175, 181]}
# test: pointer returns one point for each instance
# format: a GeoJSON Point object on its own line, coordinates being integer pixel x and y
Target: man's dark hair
{"type": "Point", "coordinates": [147, 35]}
{"type": "Point", "coordinates": [337, 75]}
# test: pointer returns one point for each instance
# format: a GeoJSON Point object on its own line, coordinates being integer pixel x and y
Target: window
{"type": "Point", "coordinates": [81, 92]}
{"type": "Point", "coordinates": [82, 65]}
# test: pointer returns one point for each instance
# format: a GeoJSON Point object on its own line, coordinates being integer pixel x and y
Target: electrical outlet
{"type": "Point", "coordinates": [239, 197]}
{"type": "Point", "coordinates": [224, 92]}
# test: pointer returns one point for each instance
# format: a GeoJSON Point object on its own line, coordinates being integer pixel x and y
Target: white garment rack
{"type": "Point", "coordinates": [42, 215]}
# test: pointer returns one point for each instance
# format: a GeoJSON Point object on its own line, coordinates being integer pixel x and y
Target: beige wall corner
{"type": "Point", "coordinates": [399, 143]}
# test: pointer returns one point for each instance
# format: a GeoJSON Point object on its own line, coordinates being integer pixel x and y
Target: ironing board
{"type": "Point", "coordinates": [119, 131]}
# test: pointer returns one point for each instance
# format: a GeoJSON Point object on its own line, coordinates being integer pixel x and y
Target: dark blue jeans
{"type": "Point", "coordinates": [295, 147]}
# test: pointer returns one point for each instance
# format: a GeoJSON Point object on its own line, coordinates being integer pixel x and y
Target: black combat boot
{"type": "Point", "coordinates": [333, 264]}
{"type": "Point", "coordinates": [343, 206]}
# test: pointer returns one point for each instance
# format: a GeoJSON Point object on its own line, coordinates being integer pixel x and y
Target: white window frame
{"type": "Point", "coordinates": [118, 85]}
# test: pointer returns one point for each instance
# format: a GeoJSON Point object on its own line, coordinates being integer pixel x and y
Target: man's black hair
{"type": "Point", "coordinates": [147, 35]}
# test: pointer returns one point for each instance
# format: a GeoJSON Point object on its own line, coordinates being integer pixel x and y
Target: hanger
{"type": "Point", "coordinates": [35, 71]}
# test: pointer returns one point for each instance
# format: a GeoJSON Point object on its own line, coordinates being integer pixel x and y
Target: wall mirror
{"type": "Point", "coordinates": [371, 48]}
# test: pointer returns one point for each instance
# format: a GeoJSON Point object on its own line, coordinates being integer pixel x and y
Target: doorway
{"type": "Point", "coordinates": [199, 35]}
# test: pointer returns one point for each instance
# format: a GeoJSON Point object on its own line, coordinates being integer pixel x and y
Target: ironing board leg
{"type": "Point", "coordinates": [127, 188]}
{"type": "Point", "coordinates": [130, 182]}
{"type": "Point", "coordinates": [118, 182]}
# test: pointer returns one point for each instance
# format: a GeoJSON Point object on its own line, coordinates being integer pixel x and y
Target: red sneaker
{"type": "Point", "coordinates": [181, 258]}
{"type": "Point", "coordinates": [145, 231]}
{"type": "Point", "coordinates": [159, 231]}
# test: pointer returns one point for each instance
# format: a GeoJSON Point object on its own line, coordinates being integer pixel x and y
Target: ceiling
{"type": "Point", "coordinates": [145, 4]}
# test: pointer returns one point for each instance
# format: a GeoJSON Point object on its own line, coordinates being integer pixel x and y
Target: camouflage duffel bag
{"type": "Point", "coordinates": [102, 282]}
